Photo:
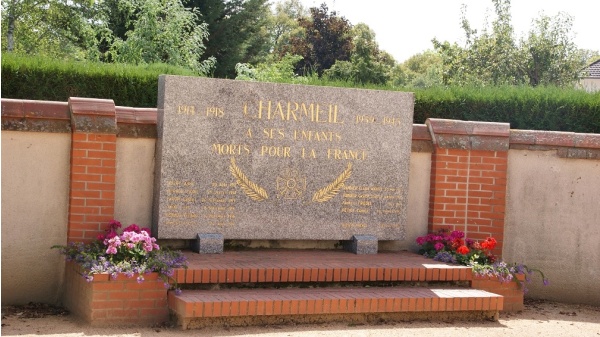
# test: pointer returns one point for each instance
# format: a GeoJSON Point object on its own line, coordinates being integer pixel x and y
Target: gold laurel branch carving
{"type": "Point", "coordinates": [252, 190]}
{"type": "Point", "coordinates": [328, 192]}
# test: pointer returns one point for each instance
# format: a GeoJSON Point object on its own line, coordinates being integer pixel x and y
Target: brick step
{"type": "Point", "coordinates": [255, 266]}
{"type": "Point", "coordinates": [228, 303]}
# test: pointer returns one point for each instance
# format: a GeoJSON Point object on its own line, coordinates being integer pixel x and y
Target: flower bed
{"type": "Point", "coordinates": [489, 274]}
{"type": "Point", "coordinates": [511, 291]}
{"type": "Point", "coordinates": [120, 278]}
{"type": "Point", "coordinates": [116, 301]}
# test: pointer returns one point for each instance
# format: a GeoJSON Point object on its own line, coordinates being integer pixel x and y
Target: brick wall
{"type": "Point", "coordinates": [123, 301]}
{"type": "Point", "coordinates": [468, 178]}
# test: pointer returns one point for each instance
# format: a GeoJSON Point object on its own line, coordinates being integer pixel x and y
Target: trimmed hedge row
{"type": "Point", "coordinates": [527, 108]}
{"type": "Point", "coordinates": [40, 78]}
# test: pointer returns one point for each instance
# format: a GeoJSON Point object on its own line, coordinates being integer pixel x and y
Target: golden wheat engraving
{"type": "Point", "coordinates": [252, 190]}
{"type": "Point", "coordinates": [328, 192]}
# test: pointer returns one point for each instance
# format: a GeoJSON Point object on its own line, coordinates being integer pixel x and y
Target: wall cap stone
{"type": "Point", "coordinates": [54, 116]}
{"type": "Point", "coordinates": [136, 115]}
{"type": "Point", "coordinates": [37, 116]}
{"type": "Point", "coordinates": [567, 144]}
{"type": "Point", "coordinates": [93, 115]}
{"type": "Point", "coordinates": [136, 122]}
{"type": "Point", "coordinates": [420, 132]}
{"type": "Point", "coordinates": [468, 135]}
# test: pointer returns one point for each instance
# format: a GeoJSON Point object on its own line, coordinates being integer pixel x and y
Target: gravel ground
{"type": "Point", "coordinates": [540, 318]}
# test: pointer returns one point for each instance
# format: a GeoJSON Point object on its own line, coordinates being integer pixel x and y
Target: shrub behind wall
{"type": "Point", "coordinates": [40, 78]}
{"type": "Point", "coordinates": [527, 108]}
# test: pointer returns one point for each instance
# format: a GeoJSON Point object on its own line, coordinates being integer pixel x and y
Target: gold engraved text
{"type": "Point", "coordinates": [275, 151]}
{"type": "Point", "coordinates": [339, 154]}
{"type": "Point", "coordinates": [188, 110]}
{"type": "Point", "coordinates": [293, 111]}
{"type": "Point", "coordinates": [230, 149]}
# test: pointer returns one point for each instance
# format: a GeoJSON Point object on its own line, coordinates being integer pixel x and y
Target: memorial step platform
{"type": "Point", "coordinates": [310, 286]}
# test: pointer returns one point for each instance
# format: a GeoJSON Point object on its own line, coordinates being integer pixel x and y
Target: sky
{"type": "Point", "coordinates": [406, 28]}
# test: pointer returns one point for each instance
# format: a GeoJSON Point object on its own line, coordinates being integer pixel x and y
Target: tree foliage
{"type": "Point", "coordinates": [163, 32]}
{"type": "Point", "coordinates": [236, 29]}
{"type": "Point", "coordinates": [367, 63]}
{"type": "Point", "coordinates": [326, 39]}
{"type": "Point", "coordinates": [494, 57]}
{"type": "Point", "coordinates": [422, 70]}
{"type": "Point", "coordinates": [284, 26]}
{"type": "Point", "coordinates": [59, 28]}
{"type": "Point", "coordinates": [274, 71]}
{"type": "Point", "coordinates": [126, 31]}
{"type": "Point", "coordinates": [549, 54]}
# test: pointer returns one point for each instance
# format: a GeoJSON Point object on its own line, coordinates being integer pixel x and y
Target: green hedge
{"type": "Point", "coordinates": [40, 78]}
{"type": "Point", "coordinates": [527, 108]}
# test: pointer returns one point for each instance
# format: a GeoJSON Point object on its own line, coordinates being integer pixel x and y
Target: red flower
{"type": "Point", "coordinates": [489, 243]}
{"type": "Point", "coordinates": [132, 228]}
{"type": "Point", "coordinates": [463, 250]}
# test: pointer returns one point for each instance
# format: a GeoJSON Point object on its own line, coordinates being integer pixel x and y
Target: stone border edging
{"type": "Point", "coordinates": [52, 116]}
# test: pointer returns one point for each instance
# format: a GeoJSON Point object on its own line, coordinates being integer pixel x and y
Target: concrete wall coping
{"type": "Point", "coordinates": [555, 138]}
{"type": "Point", "coordinates": [92, 106]}
{"type": "Point", "coordinates": [136, 115]}
{"type": "Point", "coordinates": [456, 127]}
{"type": "Point", "coordinates": [567, 144]}
{"type": "Point", "coordinates": [467, 135]}
{"type": "Point", "coordinates": [52, 116]}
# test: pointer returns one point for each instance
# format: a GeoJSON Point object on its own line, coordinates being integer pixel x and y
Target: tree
{"type": "Point", "coordinates": [367, 63]}
{"type": "Point", "coordinates": [273, 71]}
{"type": "Point", "coordinates": [326, 39]}
{"type": "Point", "coordinates": [546, 57]}
{"type": "Point", "coordinates": [62, 28]}
{"type": "Point", "coordinates": [488, 58]}
{"type": "Point", "coordinates": [549, 55]}
{"type": "Point", "coordinates": [422, 70]}
{"type": "Point", "coordinates": [163, 32]}
{"type": "Point", "coordinates": [284, 26]}
{"type": "Point", "coordinates": [237, 32]}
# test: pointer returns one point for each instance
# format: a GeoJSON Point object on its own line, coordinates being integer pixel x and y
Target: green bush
{"type": "Point", "coordinates": [41, 78]}
{"type": "Point", "coordinates": [527, 108]}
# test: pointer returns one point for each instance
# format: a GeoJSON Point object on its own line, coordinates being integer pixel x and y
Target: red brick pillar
{"type": "Point", "coordinates": [93, 167]}
{"type": "Point", "coordinates": [468, 178]}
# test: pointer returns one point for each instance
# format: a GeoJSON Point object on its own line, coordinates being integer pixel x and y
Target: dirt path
{"type": "Point", "coordinates": [540, 318]}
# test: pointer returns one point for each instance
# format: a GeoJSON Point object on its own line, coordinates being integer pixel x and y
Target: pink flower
{"type": "Point", "coordinates": [110, 235]}
{"type": "Point", "coordinates": [457, 235]}
{"type": "Point", "coordinates": [439, 246]}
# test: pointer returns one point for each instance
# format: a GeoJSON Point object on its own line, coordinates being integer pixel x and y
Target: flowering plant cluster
{"type": "Point", "coordinates": [453, 247]}
{"type": "Point", "coordinates": [132, 252]}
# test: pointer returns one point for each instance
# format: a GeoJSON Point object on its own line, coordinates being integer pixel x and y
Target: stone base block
{"type": "Point", "coordinates": [362, 244]}
{"type": "Point", "coordinates": [208, 243]}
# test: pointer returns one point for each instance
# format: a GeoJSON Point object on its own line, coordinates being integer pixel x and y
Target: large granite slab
{"type": "Point", "coordinates": [254, 160]}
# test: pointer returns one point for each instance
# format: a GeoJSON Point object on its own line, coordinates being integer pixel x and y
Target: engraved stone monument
{"type": "Point", "coordinates": [248, 160]}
